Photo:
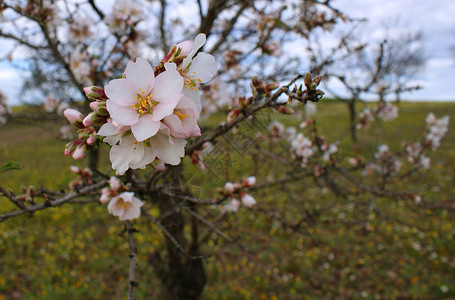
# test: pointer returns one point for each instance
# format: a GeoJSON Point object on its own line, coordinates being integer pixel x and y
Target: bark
{"type": "Point", "coordinates": [182, 276]}
{"type": "Point", "coordinates": [352, 115]}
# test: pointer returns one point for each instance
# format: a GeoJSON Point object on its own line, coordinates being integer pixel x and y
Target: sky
{"type": "Point", "coordinates": [434, 18]}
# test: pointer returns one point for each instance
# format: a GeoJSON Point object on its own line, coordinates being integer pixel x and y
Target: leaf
{"type": "Point", "coordinates": [11, 165]}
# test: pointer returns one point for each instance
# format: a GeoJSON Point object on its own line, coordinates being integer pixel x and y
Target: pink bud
{"type": "Point", "coordinates": [73, 115]}
{"type": "Point", "coordinates": [248, 200]}
{"type": "Point", "coordinates": [90, 140]}
{"type": "Point", "coordinates": [251, 180]}
{"type": "Point", "coordinates": [114, 183]}
{"type": "Point", "coordinates": [160, 166]}
{"type": "Point", "coordinates": [94, 105]}
{"type": "Point", "coordinates": [229, 187]}
{"type": "Point", "coordinates": [67, 152]}
{"type": "Point", "coordinates": [105, 195]}
{"type": "Point", "coordinates": [79, 153]}
{"type": "Point", "coordinates": [75, 169]}
{"type": "Point", "coordinates": [186, 47]}
{"type": "Point", "coordinates": [88, 119]}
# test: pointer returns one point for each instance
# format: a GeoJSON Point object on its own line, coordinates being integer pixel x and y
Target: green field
{"type": "Point", "coordinates": [403, 251]}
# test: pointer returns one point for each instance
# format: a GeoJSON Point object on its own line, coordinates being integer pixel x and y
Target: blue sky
{"type": "Point", "coordinates": [436, 19]}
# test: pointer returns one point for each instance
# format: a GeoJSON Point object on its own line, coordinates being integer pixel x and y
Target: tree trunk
{"type": "Point", "coordinates": [397, 97]}
{"type": "Point", "coordinates": [352, 116]}
{"type": "Point", "coordinates": [182, 276]}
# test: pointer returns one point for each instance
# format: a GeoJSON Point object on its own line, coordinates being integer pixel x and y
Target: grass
{"type": "Point", "coordinates": [404, 251]}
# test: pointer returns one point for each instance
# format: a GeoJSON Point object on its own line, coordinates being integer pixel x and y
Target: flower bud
{"type": "Point", "coordinates": [114, 183]}
{"type": "Point", "coordinates": [229, 187]}
{"type": "Point", "coordinates": [88, 119]}
{"type": "Point", "coordinates": [73, 115]}
{"type": "Point", "coordinates": [75, 169]}
{"type": "Point", "coordinates": [95, 93]}
{"type": "Point", "coordinates": [251, 180]}
{"type": "Point", "coordinates": [79, 153]}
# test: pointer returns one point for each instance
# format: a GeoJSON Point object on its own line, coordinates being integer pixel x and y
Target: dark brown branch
{"type": "Point", "coordinates": [133, 257]}
{"type": "Point", "coordinates": [164, 46]}
{"type": "Point", "coordinates": [223, 129]}
{"type": "Point", "coordinates": [229, 28]}
{"type": "Point", "coordinates": [69, 198]}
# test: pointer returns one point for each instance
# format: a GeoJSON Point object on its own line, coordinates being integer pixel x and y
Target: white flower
{"type": "Point", "coordinates": [80, 65]}
{"type": "Point", "coordinates": [251, 180]}
{"type": "Point", "coordinates": [114, 183]}
{"type": "Point", "coordinates": [79, 30]}
{"type": "Point", "coordinates": [388, 112]}
{"type": "Point", "coordinates": [333, 148]}
{"type": "Point", "coordinates": [232, 206]}
{"type": "Point", "coordinates": [125, 206]}
{"type": "Point", "coordinates": [130, 153]}
{"type": "Point", "coordinates": [125, 13]}
{"type": "Point", "coordinates": [276, 129]}
{"type": "Point", "coordinates": [425, 162]}
{"type": "Point", "coordinates": [197, 70]}
{"type": "Point", "coordinates": [229, 187]}
{"type": "Point", "coordinates": [50, 104]}
{"type": "Point", "coordinates": [140, 100]}
{"type": "Point", "coordinates": [310, 109]}
{"type": "Point", "coordinates": [248, 200]}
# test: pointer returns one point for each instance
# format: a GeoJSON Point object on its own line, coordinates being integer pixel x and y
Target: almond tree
{"type": "Point", "coordinates": [149, 115]}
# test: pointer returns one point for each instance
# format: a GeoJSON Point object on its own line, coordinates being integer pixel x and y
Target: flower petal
{"type": "Point", "coordinates": [145, 127]}
{"type": "Point", "coordinates": [121, 91]}
{"type": "Point", "coordinates": [203, 67]}
{"type": "Point", "coordinates": [162, 110]}
{"type": "Point", "coordinates": [168, 85]}
{"type": "Point", "coordinates": [198, 42]}
{"type": "Point", "coordinates": [141, 74]}
{"type": "Point", "coordinates": [169, 153]}
{"type": "Point", "coordinates": [148, 158]}
{"type": "Point", "coordinates": [123, 115]}
{"type": "Point", "coordinates": [195, 96]}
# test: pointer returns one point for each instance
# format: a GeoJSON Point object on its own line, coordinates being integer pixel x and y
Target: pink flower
{"type": "Point", "coordinates": [232, 206]}
{"type": "Point", "coordinates": [248, 200]}
{"type": "Point", "coordinates": [197, 70]}
{"type": "Point", "coordinates": [140, 100]}
{"type": "Point", "coordinates": [229, 187]}
{"type": "Point", "coordinates": [125, 206]}
{"type": "Point", "coordinates": [105, 195]}
{"type": "Point", "coordinates": [73, 115]}
{"type": "Point", "coordinates": [114, 183]}
{"type": "Point", "coordinates": [79, 153]}
{"type": "Point", "coordinates": [130, 153]}
{"type": "Point", "coordinates": [168, 149]}
{"type": "Point", "coordinates": [251, 180]}
{"type": "Point", "coordinates": [183, 122]}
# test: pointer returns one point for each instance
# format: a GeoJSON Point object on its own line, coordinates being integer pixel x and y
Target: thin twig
{"type": "Point", "coordinates": [69, 198]}
{"type": "Point", "coordinates": [133, 256]}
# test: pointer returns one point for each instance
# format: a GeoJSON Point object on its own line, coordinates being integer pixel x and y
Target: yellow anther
{"type": "Point", "coordinates": [180, 115]}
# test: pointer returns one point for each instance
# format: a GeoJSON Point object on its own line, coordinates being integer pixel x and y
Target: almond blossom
{"type": "Point", "coordinates": [125, 206]}
{"type": "Point", "coordinates": [183, 122]}
{"type": "Point", "coordinates": [140, 100]}
{"type": "Point", "coordinates": [197, 70]}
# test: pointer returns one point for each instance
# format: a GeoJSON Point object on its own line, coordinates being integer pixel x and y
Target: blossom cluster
{"type": "Point", "coordinates": [437, 129]}
{"type": "Point", "coordinates": [147, 115]}
{"type": "Point", "coordinates": [85, 176]}
{"type": "Point", "coordinates": [87, 137]}
{"type": "Point", "coordinates": [121, 202]}
{"type": "Point", "coordinates": [384, 110]}
{"type": "Point", "coordinates": [235, 191]}
{"type": "Point", "coordinates": [387, 163]}
{"type": "Point", "coordinates": [124, 14]}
